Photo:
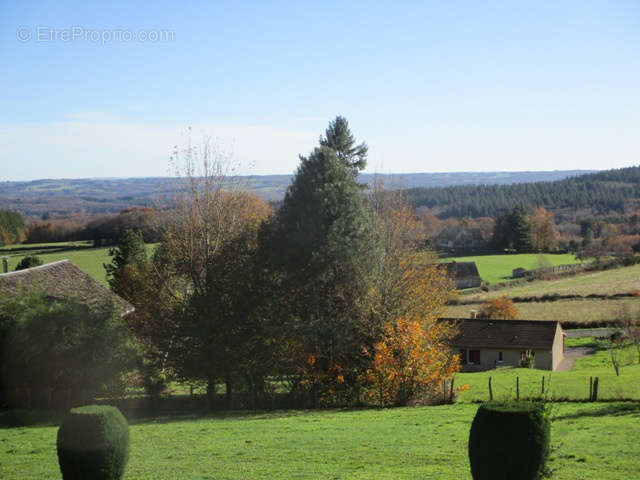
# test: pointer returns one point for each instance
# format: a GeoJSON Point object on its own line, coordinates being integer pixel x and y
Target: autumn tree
{"type": "Point", "coordinates": [500, 308]}
{"type": "Point", "coordinates": [544, 237]}
{"type": "Point", "coordinates": [192, 316]}
{"type": "Point", "coordinates": [408, 295]}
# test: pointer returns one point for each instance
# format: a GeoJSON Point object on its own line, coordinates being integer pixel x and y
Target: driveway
{"type": "Point", "coordinates": [570, 356]}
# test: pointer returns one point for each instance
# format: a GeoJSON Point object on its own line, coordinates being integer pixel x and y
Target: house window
{"type": "Point", "coordinates": [500, 358]}
{"type": "Point", "coordinates": [473, 357]}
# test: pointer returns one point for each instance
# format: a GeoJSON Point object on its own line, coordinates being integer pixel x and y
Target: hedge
{"type": "Point", "coordinates": [93, 443]}
{"type": "Point", "coordinates": [509, 441]}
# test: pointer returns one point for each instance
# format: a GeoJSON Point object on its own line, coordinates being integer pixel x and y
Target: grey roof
{"type": "Point", "coordinates": [520, 334]}
{"type": "Point", "coordinates": [62, 280]}
{"type": "Point", "coordinates": [460, 270]}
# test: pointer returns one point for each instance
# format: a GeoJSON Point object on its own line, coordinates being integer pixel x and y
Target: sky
{"type": "Point", "coordinates": [108, 89]}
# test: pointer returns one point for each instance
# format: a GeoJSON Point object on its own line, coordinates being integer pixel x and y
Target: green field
{"type": "Point", "coordinates": [589, 441]}
{"type": "Point", "coordinates": [498, 268]}
{"type": "Point", "coordinates": [573, 385]}
{"type": "Point", "coordinates": [590, 310]}
{"type": "Point", "coordinates": [607, 282]}
{"type": "Point", "coordinates": [88, 259]}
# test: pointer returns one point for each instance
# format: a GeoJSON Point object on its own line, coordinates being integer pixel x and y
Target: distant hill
{"type": "Point", "coordinates": [605, 192]}
{"type": "Point", "coordinates": [103, 195]}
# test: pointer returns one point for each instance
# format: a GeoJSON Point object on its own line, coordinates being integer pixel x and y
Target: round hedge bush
{"type": "Point", "coordinates": [509, 441]}
{"type": "Point", "coordinates": [93, 443]}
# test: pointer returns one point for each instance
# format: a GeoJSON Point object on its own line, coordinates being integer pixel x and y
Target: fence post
{"type": "Point", "coordinates": [451, 391]}
{"type": "Point", "coordinates": [517, 388]}
{"type": "Point", "coordinates": [543, 385]}
{"type": "Point", "coordinates": [490, 390]}
{"type": "Point", "coordinates": [596, 383]}
{"type": "Point", "coordinates": [591, 389]}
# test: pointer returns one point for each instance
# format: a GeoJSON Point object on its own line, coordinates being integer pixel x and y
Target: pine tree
{"type": "Point", "coordinates": [322, 244]}
{"type": "Point", "coordinates": [338, 137]}
{"type": "Point", "coordinates": [129, 257]}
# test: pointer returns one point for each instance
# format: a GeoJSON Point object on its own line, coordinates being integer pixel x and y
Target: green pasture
{"type": "Point", "coordinates": [589, 442]}
{"type": "Point", "coordinates": [606, 282]}
{"type": "Point", "coordinates": [498, 268]}
{"type": "Point", "coordinates": [81, 254]}
{"type": "Point", "coordinates": [588, 310]}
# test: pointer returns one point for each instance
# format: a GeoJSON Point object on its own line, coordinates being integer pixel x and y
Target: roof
{"type": "Point", "coordinates": [62, 280]}
{"type": "Point", "coordinates": [462, 269]}
{"type": "Point", "coordinates": [517, 334]}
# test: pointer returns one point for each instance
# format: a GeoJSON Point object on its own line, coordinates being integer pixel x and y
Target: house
{"type": "Point", "coordinates": [484, 344]}
{"type": "Point", "coordinates": [62, 280]}
{"type": "Point", "coordinates": [465, 274]}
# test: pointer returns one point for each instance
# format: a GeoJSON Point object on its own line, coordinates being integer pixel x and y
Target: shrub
{"type": "Point", "coordinates": [509, 441]}
{"type": "Point", "coordinates": [500, 308]}
{"type": "Point", "coordinates": [93, 442]}
{"type": "Point", "coordinates": [28, 262]}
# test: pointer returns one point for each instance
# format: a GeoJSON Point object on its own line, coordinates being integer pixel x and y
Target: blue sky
{"type": "Point", "coordinates": [430, 86]}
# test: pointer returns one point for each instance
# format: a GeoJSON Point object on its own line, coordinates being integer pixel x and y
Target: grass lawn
{"type": "Point", "coordinates": [573, 310]}
{"type": "Point", "coordinates": [89, 260]}
{"type": "Point", "coordinates": [590, 442]}
{"type": "Point", "coordinates": [607, 282]}
{"type": "Point", "coordinates": [498, 268]}
{"type": "Point", "coordinates": [564, 385]}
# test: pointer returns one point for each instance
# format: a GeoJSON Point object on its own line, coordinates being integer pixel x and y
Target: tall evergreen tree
{"type": "Point", "coordinates": [322, 244]}
{"type": "Point", "coordinates": [338, 137]}
{"type": "Point", "coordinates": [512, 231]}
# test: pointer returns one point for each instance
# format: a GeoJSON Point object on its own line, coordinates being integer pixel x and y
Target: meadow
{"type": "Point", "coordinates": [498, 268]}
{"type": "Point", "coordinates": [589, 442]}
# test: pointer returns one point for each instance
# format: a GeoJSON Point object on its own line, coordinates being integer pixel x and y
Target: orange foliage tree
{"type": "Point", "coordinates": [500, 308]}
{"type": "Point", "coordinates": [412, 355]}
{"type": "Point", "coordinates": [411, 361]}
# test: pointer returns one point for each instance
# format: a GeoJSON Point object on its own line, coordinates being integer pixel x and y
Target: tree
{"type": "Point", "coordinates": [129, 258]}
{"type": "Point", "coordinates": [338, 137]}
{"type": "Point", "coordinates": [512, 231]}
{"type": "Point", "coordinates": [195, 315]}
{"type": "Point", "coordinates": [29, 261]}
{"type": "Point", "coordinates": [500, 308]}
{"type": "Point", "coordinates": [63, 344]}
{"type": "Point", "coordinates": [544, 237]}
{"type": "Point", "coordinates": [322, 250]}
{"type": "Point", "coordinates": [410, 362]}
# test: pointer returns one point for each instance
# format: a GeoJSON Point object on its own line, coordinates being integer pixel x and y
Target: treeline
{"type": "Point", "coordinates": [600, 193]}
{"type": "Point", "coordinates": [12, 228]}
{"type": "Point", "coordinates": [102, 230]}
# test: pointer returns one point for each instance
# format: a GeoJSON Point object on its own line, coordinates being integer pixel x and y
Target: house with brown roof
{"type": "Point", "coordinates": [485, 344]}
{"type": "Point", "coordinates": [465, 274]}
{"type": "Point", "coordinates": [62, 280]}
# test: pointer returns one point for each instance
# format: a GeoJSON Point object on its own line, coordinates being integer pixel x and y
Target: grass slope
{"type": "Point", "coordinates": [498, 268]}
{"type": "Point", "coordinates": [607, 282]}
{"type": "Point", "coordinates": [590, 442]}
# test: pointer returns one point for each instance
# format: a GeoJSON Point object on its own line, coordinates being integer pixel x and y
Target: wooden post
{"type": "Point", "coordinates": [543, 385]}
{"type": "Point", "coordinates": [591, 389]}
{"type": "Point", "coordinates": [596, 383]}
{"type": "Point", "coordinates": [517, 388]}
{"type": "Point", "coordinates": [490, 390]}
{"type": "Point", "coordinates": [451, 390]}
{"type": "Point", "coordinates": [444, 391]}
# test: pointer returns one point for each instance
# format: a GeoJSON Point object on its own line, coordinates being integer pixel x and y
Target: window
{"type": "Point", "coordinates": [473, 357]}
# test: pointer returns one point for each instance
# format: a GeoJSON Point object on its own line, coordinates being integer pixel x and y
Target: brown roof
{"type": "Point", "coordinates": [62, 280]}
{"type": "Point", "coordinates": [484, 333]}
{"type": "Point", "coordinates": [462, 269]}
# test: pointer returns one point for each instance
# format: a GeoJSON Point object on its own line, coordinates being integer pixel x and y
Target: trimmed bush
{"type": "Point", "coordinates": [93, 443]}
{"type": "Point", "coordinates": [509, 441]}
